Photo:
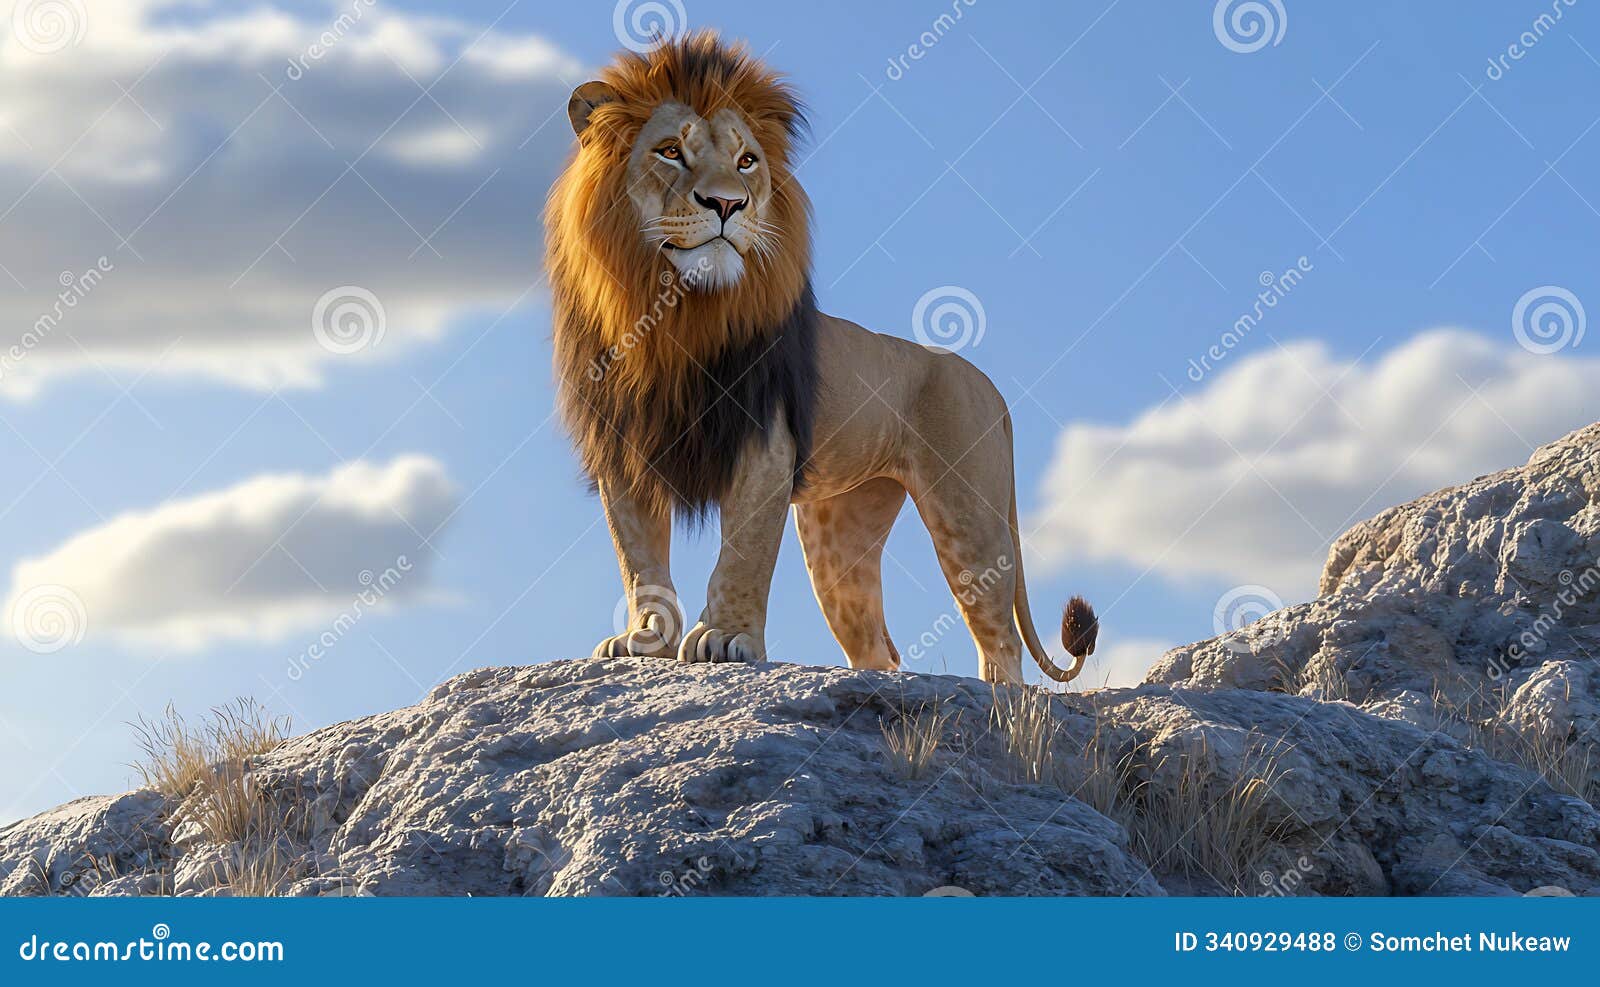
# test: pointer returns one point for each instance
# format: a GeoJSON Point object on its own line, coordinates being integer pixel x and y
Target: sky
{"type": "Point", "coordinates": [275, 385]}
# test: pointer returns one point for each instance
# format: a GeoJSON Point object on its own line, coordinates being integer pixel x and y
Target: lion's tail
{"type": "Point", "coordinates": [1079, 625]}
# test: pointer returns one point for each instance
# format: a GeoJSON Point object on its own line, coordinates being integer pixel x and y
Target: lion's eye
{"type": "Point", "coordinates": [747, 161]}
{"type": "Point", "coordinates": [671, 152]}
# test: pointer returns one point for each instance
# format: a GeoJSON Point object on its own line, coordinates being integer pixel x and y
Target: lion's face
{"type": "Point", "coordinates": [683, 175]}
{"type": "Point", "coordinates": [702, 189]}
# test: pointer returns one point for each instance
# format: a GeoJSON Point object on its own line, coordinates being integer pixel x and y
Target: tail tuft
{"type": "Point", "coordinates": [1079, 627]}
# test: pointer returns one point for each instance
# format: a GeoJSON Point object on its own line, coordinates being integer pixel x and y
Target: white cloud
{"type": "Point", "coordinates": [1249, 478]}
{"type": "Point", "coordinates": [274, 554]}
{"type": "Point", "coordinates": [242, 205]}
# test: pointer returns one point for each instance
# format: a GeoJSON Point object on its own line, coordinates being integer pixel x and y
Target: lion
{"type": "Point", "coordinates": [696, 376]}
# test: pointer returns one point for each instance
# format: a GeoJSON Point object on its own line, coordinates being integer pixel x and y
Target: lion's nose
{"type": "Point", "coordinates": [724, 208]}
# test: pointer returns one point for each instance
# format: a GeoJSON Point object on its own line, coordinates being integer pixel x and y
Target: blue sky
{"type": "Point", "coordinates": [1115, 183]}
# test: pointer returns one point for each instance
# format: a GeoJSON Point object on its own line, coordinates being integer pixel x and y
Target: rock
{"type": "Point", "coordinates": [87, 846]}
{"type": "Point", "coordinates": [647, 777]}
{"type": "Point", "coordinates": [1366, 802]}
{"type": "Point", "coordinates": [201, 870]}
{"type": "Point", "coordinates": [1473, 609]}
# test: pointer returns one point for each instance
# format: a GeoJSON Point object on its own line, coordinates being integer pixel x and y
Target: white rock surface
{"type": "Point", "coordinates": [93, 845]}
{"type": "Point", "coordinates": [642, 777]}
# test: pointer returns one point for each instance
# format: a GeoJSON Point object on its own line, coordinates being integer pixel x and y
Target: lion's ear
{"type": "Point", "coordinates": [584, 99]}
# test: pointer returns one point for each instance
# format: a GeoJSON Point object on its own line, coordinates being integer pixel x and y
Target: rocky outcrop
{"type": "Point", "coordinates": [1475, 610]}
{"type": "Point", "coordinates": [644, 777]}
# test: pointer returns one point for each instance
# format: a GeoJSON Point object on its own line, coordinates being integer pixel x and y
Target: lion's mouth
{"type": "Point", "coordinates": [669, 245]}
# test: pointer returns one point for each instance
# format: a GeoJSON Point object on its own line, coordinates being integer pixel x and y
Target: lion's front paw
{"type": "Point", "coordinates": [707, 643]}
{"type": "Point", "coordinates": [654, 640]}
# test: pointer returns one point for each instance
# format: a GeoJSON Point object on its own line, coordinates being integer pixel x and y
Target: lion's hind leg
{"type": "Point", "coordinates": [961, 481]}
{"type": "Point", "coordinates": [842, 538]}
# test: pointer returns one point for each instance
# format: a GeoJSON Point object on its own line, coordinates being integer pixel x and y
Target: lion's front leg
{"type": "Point", "coordinates": [734, 624]}
{"type": "Point", "coordinates": [643, 539]}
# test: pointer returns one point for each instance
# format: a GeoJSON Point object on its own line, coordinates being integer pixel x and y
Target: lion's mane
{"type": "Point", "coordinates": [663, 386]}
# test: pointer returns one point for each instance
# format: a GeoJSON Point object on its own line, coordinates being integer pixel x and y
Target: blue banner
{"type": "Point", "coordinates": [789, 941]}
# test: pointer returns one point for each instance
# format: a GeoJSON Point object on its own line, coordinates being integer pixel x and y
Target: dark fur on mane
{"type": "Point", "coordinates": [676, 445]}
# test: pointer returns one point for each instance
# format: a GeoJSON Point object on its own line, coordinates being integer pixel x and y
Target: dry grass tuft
{"type": "Point", "coordinates": [206, 768]}
{"type": "Point", "coordinates": [1027, 723]}
{"type": "Point", "coordinates": [178, 757]}
{"type": "Point", "coordinates": [1330, 683]}
{"type": "Point", "coordinates": [1566, 765]}
{"type": "Point", "coordinates": [1191, 825]}
{"type": "Point", "coordinates": [912, 739]}
{"type": "Point", "coordinates": [1192, 822]}
{"type": "Point", "coordinates": [259, 867]}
